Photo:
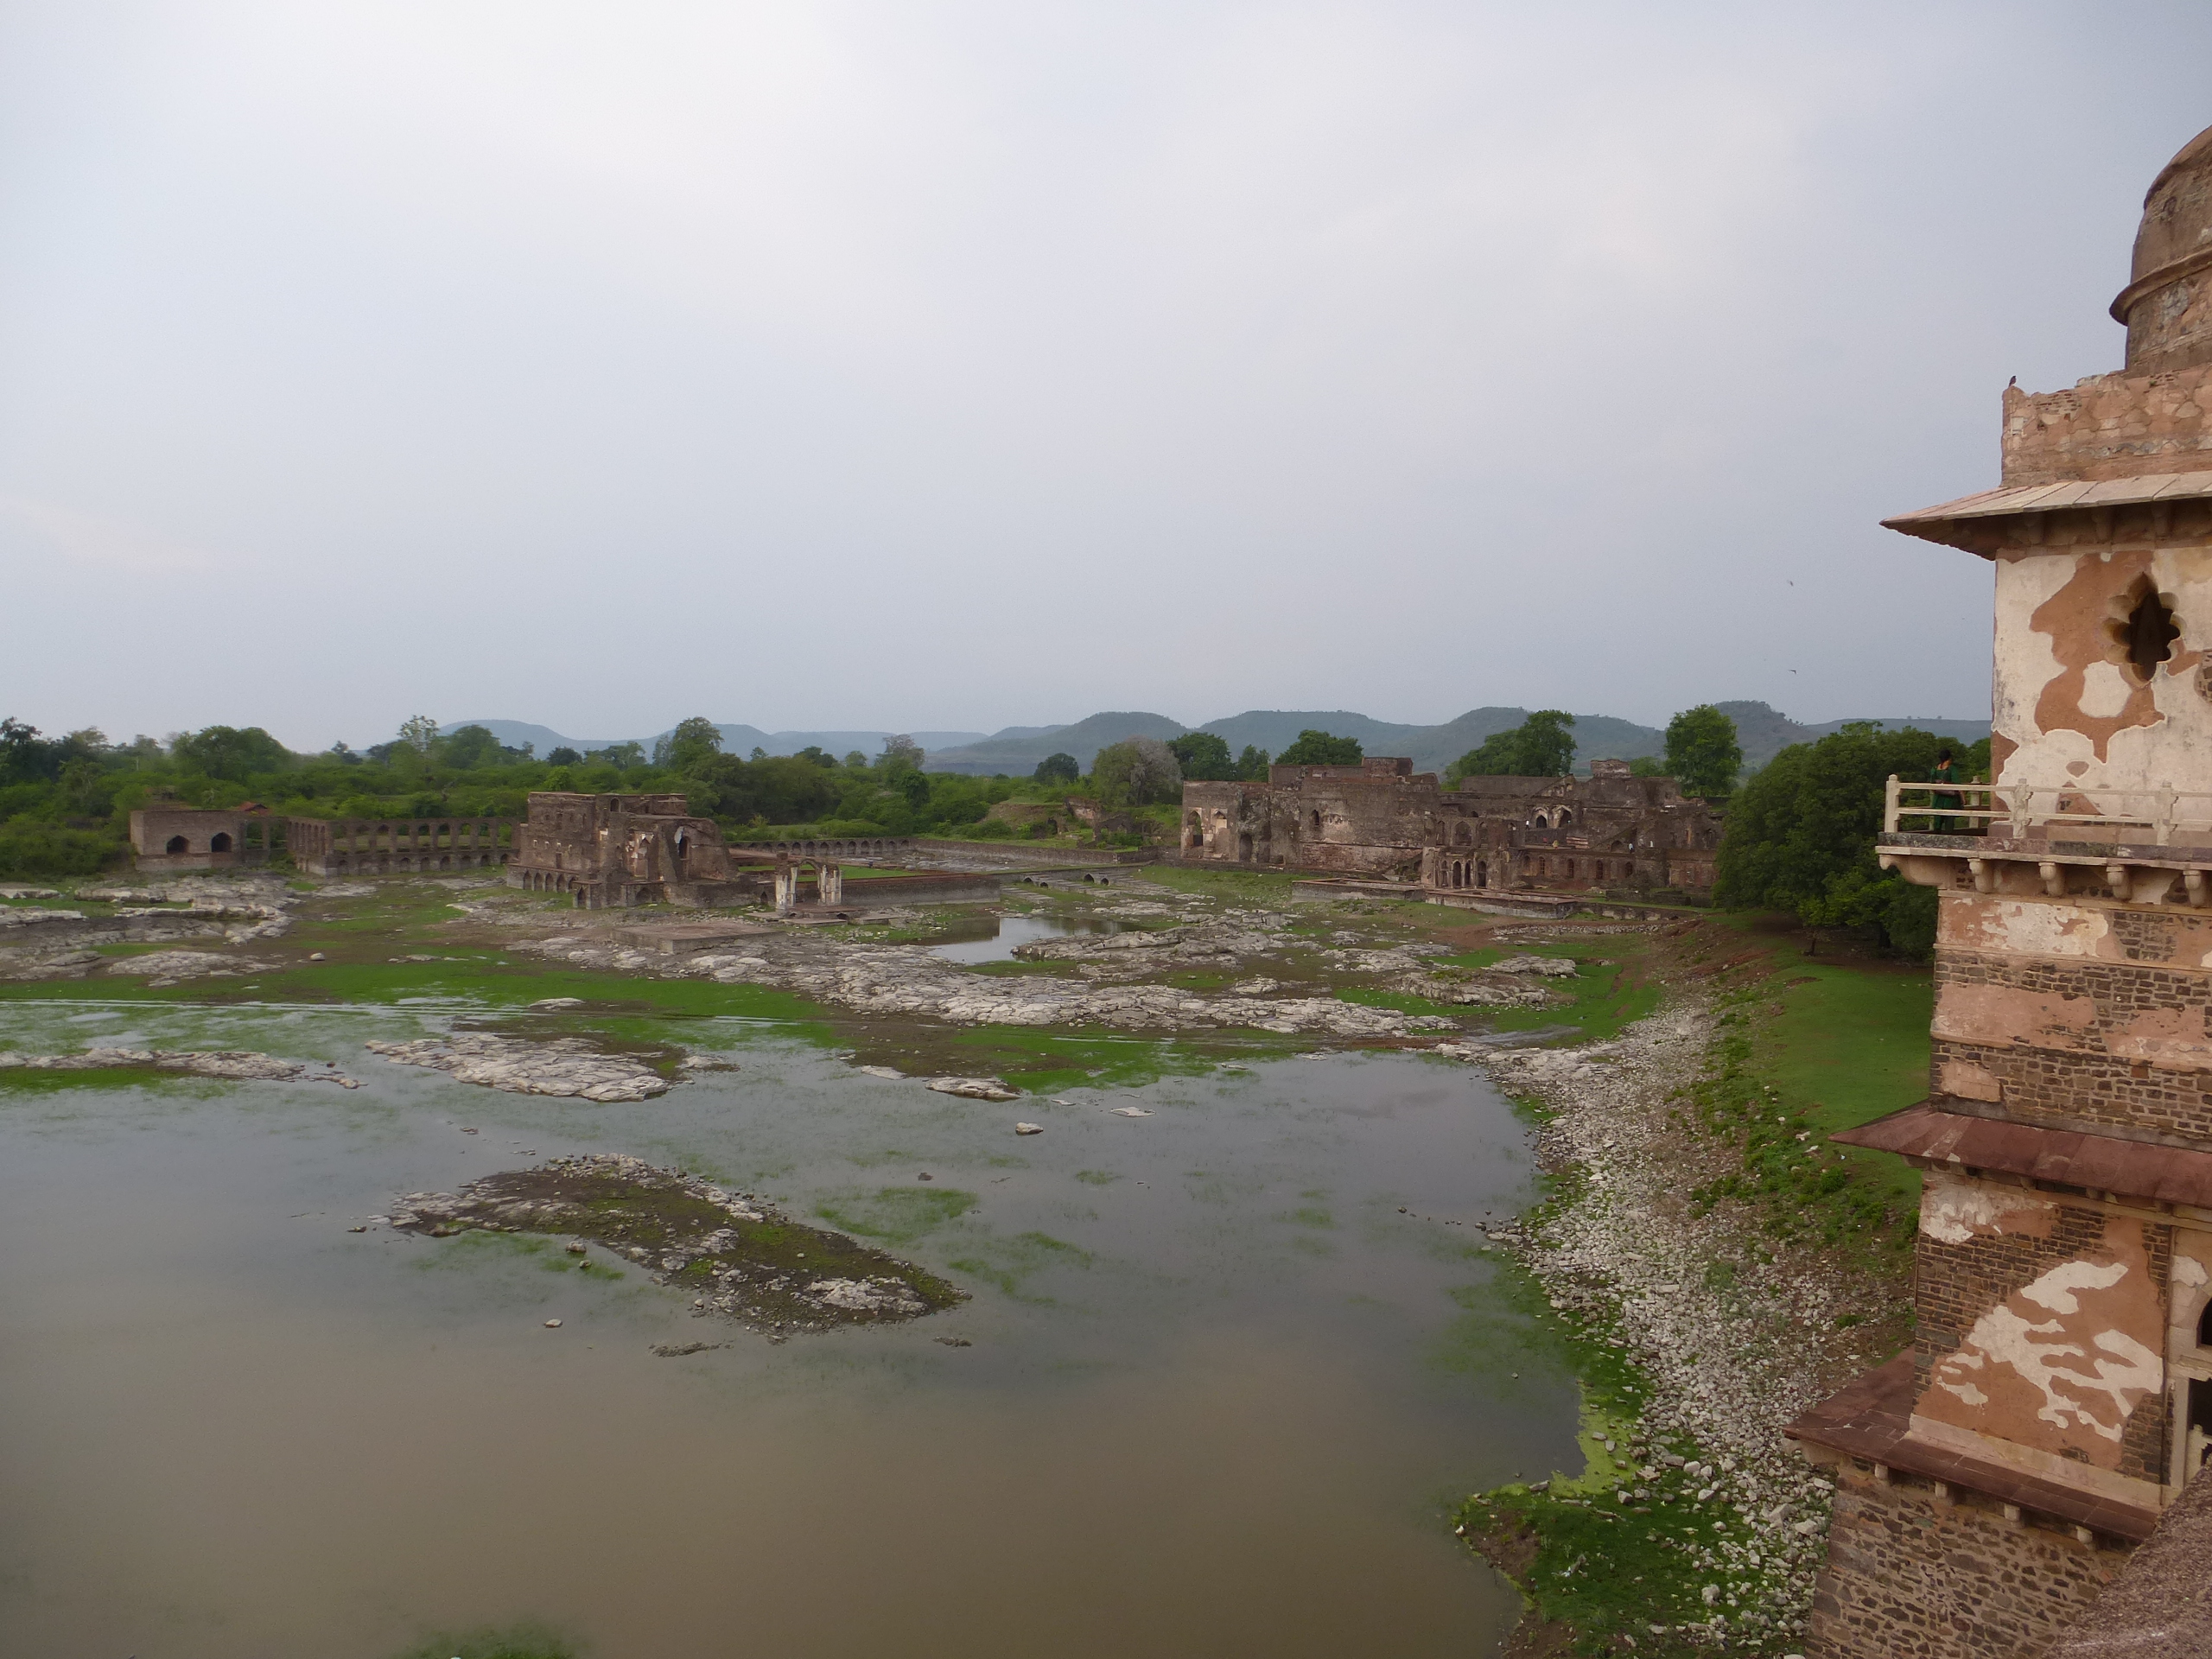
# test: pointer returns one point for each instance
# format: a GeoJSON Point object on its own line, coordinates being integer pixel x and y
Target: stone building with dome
{"type": "Point", "coordinates": [2057, 1395]}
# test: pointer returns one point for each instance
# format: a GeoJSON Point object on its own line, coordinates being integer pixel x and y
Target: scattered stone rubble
{"type": "Point", "coordinates": [743, 1259]}
{"type": "Point", "coordinates": [1734, 1350]}
{"type": "Point", "coordinates": [44, 943]}
{"type": "Point", "coordinates": [558, 1065]}
{"type": "Point", "coordinates": [899, 979]}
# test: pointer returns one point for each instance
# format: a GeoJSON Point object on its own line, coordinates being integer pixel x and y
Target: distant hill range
{"type": "Point", "coordinates": [1763, 731]}
{"type": "Point", "coordinates": [736, 739]}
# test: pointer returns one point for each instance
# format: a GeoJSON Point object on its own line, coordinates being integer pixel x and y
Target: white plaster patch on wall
{"type": "Point", "coordinates": [2025, 659]}
{"type": "Point", "coordinates": [2079, 1389]}
{"type": "Point", "coordinates": [2024, 926]}
{"type": "Point", "coordinates": [1953, 1211]}
{"type": "Point", "coordinates": [2188, 1272]}
{"type": "Point", "coordinates": [2104, 691]}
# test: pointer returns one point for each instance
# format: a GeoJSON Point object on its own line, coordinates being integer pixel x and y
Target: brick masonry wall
{"type": "Point", "coordinates": [2112, 426]}
{"type": "Point", "coordinates": [2068, 1088]}
{"type": "Point", "coordinates": [1913, 1577]}
{"type": "Point", "coordinates": [1954, 1285]}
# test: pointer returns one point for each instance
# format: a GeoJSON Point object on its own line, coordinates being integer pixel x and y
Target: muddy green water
{"type": "Point", "coordinates": [1219, 1392]}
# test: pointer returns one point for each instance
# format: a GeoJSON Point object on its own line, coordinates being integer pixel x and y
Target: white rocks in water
{"type": "Point", "coordinates": [865, 1295]}
{"type": "Point", "coordinates": [1259, 987]}
{"type": "Point", "coordinates": [889, 1074]}
{"type": "Point", "coordinates": [173, 965]}
{"type": "Point", "coordinates": [314, 955]}
{"type": "Point", "coordinates": [542, 1002]}
{"type": "Point", "coordinates": [240, 1064]}
{"type": "Point", "coordinates": [974, 1088]}
{"type": "Point", "coordinates": [1130, 1111]}
{"type": "Point", "coordinates": [1547, 967]}
{"type": "Point", "coordinates": [565, 1066]}
{"type": "Point", "coordinates": [552, 1324]}
{"type": "Point", "coordinates": [1029, 1129]}
{"type": "Point", "coordinates": [38, 892]}
{"type": "Point", "coordinates": [33, 918]}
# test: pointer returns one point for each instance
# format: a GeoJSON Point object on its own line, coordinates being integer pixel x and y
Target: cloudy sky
{"type": "Point", "coordinates": [953, 366]}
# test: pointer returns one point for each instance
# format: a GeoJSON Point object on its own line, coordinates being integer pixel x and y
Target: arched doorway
{"type": "Point", "coordinates": [219, 842]}
{"type": "Point", "coordinates": [177, 844]}
{"type": "Point", "coordinates": [1482, 873]}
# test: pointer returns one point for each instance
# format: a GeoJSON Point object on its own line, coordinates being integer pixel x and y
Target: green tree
{"type": "Point", "coordinates": [563, 756]}
{"type": "Point", "coordinates": [1800, 831]}
{"type": "Point", "coordinates": [689, 746]}
{"type": "Point", "coordinates": [1542, 746]}
{"type": "Point", "coordinates": [418, 732]}
{"type": "Point", "coordinates": [856, 761]}
{"type": "Point", "coordinates": [1702, 754]}
{"type": "Point", "coordinates": [466, 747]}
{"type": "Point", "coordinates": [228, 752]}
{"type": "Point", "coordinates": [1319, 749]}
{"type": "Point", "coordinates": [1252, 766]}
{"type": "Point", "coordinates": [623, 757]}
{"type": "Point", "coordinates": [1057, 769]}
{"type": "Point", "coordinates": [900, 754]}
{"type": "Point", "coordinates": [815, 755]}
{"type": "Point", "coordinates": [1136, 772]}
{"type": "Point", "coordinates": [1202, 755]}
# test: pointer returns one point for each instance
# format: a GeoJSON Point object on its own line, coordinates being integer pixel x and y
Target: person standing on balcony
{"type": "Point", "coordinates": [1945, 772]}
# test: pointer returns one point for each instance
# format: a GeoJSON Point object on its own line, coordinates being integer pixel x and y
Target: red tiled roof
{"type": "Point", "coordinates": [2133, 1169]}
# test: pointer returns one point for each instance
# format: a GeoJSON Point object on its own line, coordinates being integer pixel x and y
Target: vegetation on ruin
{"type": "Point", "coordinates": [1800, 835]}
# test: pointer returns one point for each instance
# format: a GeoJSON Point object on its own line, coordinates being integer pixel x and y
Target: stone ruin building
{"type": "Point", "coordinates": [2057, 1395]}
{"type": "Point", "coordinates": [199, 838]}
{"type": "Point", "coordinates": [384, 846]}
{"type": "Point", "coordinates": [615, 850]}
{"type": "Point", "coordinates": [1383, 821]}
{"type": "Point", "coordinates": [611, 851]}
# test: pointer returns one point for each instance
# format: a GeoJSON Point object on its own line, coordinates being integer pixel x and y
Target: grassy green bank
{"type": "Point", "coordinates": [1801, 1046]}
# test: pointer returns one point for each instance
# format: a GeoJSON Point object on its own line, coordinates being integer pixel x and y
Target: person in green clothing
{"type": "Point", "coordinates": [1945, 772]}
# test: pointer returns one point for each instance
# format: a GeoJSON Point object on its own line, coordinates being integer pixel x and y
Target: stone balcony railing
{"type": "Point", "coordinates": [2054, 840]}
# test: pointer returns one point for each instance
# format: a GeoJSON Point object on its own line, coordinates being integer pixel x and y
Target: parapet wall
{"type": "Point", "coordinates": [2109, 426]}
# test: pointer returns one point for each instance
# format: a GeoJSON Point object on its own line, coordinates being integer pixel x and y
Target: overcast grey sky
{"type": "Point", "coordinates": [953, 366]}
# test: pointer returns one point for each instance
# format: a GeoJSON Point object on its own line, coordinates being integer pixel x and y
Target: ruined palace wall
{"type": "Point", "coordinates": [1912, 1575]}
{"type": "Point", "coordinates": [2067, 707]}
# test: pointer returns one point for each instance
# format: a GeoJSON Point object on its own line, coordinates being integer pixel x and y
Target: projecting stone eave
{"type": "Point", "coordinates": [2141, 1174]}
{"type": "Point", "coordinates": [1870, 1420]}
{"type": "Point", "coordinates": [2025, 515]}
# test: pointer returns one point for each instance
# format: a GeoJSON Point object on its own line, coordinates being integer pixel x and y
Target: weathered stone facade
{"type": "Point", "coordinates": [2058, 1395]}
{"type": "Point", "coordinates": [616, 850]}
{"type": "Point", "coordinates": [198, 838]}
{"type": "Point", "coordinates": [385, 846]}
{"type": "Point", "coordinates": [1381, 820]}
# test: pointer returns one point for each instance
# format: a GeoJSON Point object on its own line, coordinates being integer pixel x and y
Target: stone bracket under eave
{"type": "Point", "coordinates": [2177, 876]}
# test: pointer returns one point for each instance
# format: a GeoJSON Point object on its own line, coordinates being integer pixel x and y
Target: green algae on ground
{"type": "Point", "coordinates": [898, 1215]}
{"type": "Point", "coordinates": [1006, 1263]}
{"type": "Point", "coordinates": [738, 1257]}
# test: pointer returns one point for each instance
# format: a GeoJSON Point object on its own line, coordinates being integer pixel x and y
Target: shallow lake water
{"type": "Point", "coordinates": [1228, 1364]}
{"type": "Point", "coordinates": [1010, 931]}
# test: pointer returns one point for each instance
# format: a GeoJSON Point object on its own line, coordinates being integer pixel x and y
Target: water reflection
{"type": "Point", "coordinates": [1218, 1387]}
{"type": "Point", "coordinates": [1019, 929]}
